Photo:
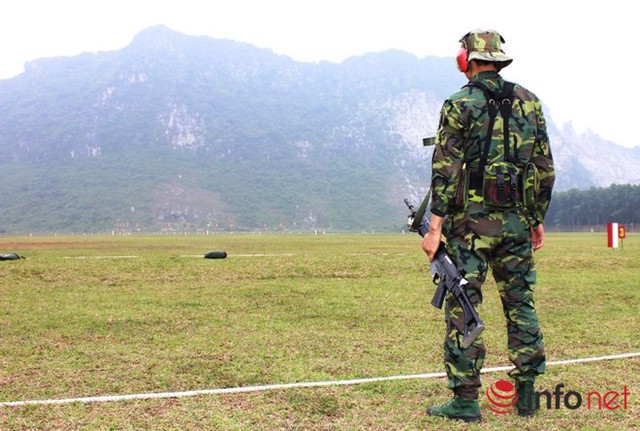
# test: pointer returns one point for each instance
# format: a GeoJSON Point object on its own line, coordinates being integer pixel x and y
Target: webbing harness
{"type": "Point", "coordinates": [499, 102]}
{"type": "Point", "coordinates": [504, 106]}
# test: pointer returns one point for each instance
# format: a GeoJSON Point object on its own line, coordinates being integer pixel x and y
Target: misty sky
{"type": "Point", "coordinates": [576, 56]}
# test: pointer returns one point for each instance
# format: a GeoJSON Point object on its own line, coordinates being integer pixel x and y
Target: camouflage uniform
{"type": "Point", "coordinates": [479, 236]}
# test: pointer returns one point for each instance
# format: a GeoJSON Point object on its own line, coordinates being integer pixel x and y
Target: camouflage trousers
{"type": "Point", "coordinates": [478, 240]}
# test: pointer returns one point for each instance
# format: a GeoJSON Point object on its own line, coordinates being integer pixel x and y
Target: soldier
{"type": "Point", "coordinates": [492, 176]}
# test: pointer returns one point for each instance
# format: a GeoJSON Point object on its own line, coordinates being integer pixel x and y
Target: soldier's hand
{"type": "Point", "coordinates": [537, 237]}
{"type": "Point", "coordinates": [430, 244]}
{"type": "Point", "coordinates": [431, 240]}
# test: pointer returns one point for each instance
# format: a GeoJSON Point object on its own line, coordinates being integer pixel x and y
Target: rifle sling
{"type": "Point", "coordinates": [422, 209]}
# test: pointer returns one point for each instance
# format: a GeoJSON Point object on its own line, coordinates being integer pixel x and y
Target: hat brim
{"type": "Point", "coordinates": [496, 57]}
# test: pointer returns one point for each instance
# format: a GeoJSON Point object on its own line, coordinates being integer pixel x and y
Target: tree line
{"type": "Point", "coordinates": [595, 207]}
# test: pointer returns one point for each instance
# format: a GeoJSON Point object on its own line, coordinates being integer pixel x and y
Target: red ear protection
{"type": "Point", "coordinates": [463, 60]}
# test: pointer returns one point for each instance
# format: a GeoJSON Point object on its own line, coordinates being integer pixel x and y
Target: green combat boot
{"type": "Point", "coordinates": [457, 408]}
{"type": "Point", "coordinates": [527, 403]}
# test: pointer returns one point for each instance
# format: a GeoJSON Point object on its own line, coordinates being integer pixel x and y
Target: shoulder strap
{"type": "Point", "coordinates": [506, 105]}
{"type": "Point", "coordinates": [502, 102]}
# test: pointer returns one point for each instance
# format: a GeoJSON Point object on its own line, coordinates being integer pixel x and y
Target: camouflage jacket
{"type": "Point", "coordinates": [462, 135]}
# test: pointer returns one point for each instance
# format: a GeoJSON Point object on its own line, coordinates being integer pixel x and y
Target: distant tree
{"type": "Point", "coordinates": [576, 209]}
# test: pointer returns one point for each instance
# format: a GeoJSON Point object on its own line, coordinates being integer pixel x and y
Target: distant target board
{"type": "Point", "coordinates": [622, 232]}
{"type": "Point", "coordinates": [615, 234]}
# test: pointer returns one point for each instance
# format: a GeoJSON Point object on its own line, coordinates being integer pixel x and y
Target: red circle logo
{"type": "Point", "coordinates": [502, 396]}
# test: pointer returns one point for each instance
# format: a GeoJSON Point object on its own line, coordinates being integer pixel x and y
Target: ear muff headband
{"type": "Point", "coordinates": [463, 60]}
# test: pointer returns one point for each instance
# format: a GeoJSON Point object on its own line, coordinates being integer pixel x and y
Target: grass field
{"type": "Point", "coordinates": [84, 316]}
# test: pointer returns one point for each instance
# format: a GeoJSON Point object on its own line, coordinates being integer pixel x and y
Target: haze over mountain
{"type": "Point", "coordinates": [178, 132]}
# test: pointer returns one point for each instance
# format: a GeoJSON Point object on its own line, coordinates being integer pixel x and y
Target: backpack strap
{"type": "Point", "coordinates": [497, 102]}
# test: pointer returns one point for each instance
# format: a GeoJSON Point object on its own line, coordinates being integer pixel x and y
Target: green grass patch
{"type": "Point", "coordinates": [86, 316]}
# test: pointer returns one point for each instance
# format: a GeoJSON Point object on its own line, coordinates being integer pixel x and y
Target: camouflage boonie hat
{"type": "Point", "coordinates": [486, 45]}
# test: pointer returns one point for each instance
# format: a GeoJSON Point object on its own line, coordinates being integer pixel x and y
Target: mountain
{"type": "Point", "coordinates": [178, 132]}
{"type": "Point", "coordinates": [586, 160]}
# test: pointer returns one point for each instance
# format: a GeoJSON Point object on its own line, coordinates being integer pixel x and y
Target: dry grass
{"type": "Point", "coordinates": [284, 309]}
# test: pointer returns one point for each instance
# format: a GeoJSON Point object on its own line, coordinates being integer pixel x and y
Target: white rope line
{"type": "Point", "coordinates": [237, 390]}
{"type": "Point", "coordinates": [101, 257]}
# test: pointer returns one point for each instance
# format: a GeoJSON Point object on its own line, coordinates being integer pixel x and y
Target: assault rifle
{"type": "Point", "coordinates": [448, 278]}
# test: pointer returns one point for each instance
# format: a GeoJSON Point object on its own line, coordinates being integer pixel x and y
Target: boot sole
{"type": "Point", "coordinates": [467, 419]}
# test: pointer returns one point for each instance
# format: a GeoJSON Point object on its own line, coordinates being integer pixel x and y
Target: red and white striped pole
{"type": "Point", "coordinates": [612, 235]}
